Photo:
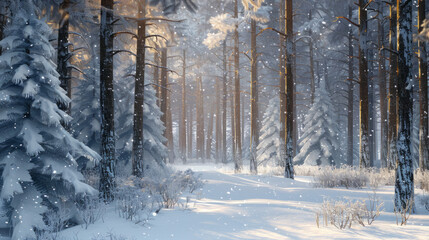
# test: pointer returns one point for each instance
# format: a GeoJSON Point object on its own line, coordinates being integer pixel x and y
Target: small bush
{"type": "Point", "coordinates": [139, 198]}
{"type": "Point", "coordinates": [421, 180]}
{"type": "Point", "coordinates": [91, 209]}
{"type": "Point", "coordinates": [134, 201]}
{"type": "Point", "coordinates": [342, 214]}
{"type": "Point", "coordinates": [405, 213]}
{"type": "Point", "coordinates": [347, 177]}
{"type": "Point", "coordinates": [424, 200]}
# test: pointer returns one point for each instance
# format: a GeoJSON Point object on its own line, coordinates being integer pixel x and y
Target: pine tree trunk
{"type": "Point", "coordinates": [254, 131]}
{"type": "Point", "coordinates": [218, 122]}
{"type": "Point", "coordinates": [107, 164]}
{"type": "Point", "coordinates": [350, 98]}
{"type": "Point", "coordinates": [210, 133]}
{"type": "Point", "coordinates": [200, 119]}
{"type": "Point", "coordinates": [190, 130]}
{"type": "Point", "coordinates": [289, 172]}
{"type": "Point", "coordinates": [404, 186]}
{"type": "Point", "coordinates": [169, 128]}
{"type": "Point", "coordinates": [423, 94]}
{"type": "Point", "coordinates": [393, 115]}
{"type": "Point", "coordinates": [182, 134]}
{"type": "Point", "coordinates": [224, 103]}
{"type": "Point", "coordinates": [64, 55]}
{"type": "Point", "coordinates": [138, 151]}
{"type": "Point", "coordinates": [156, 79]}
{"type": "Point", "coordinates": [232, 119]}
{"type": "Point", "coordinates": [363, 80]}
{"type": "Point", "coordinates": [282, 82]}
{"type": "Point", "coordinates": [238, 161]}
{"type": "Point", "coordinates": [371, 108]}
{"type": "Point", "coordinates": [163, 92]}
{"type": "Point", "coordinates": [311, 52]}
{"type": "Point", "coordinates": [383, 94]}
{"type": "Point", "coordinates": [295, 120]}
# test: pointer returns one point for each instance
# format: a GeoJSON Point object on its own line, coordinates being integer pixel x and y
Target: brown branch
{"type": "Point", "coordinates": [119, 33]}
{"type": "Point", "coordinates": [350, 21]}
{"type": "Point", "coordinates": [273, 29]}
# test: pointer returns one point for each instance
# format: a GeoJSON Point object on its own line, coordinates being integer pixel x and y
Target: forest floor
{"type": "Point", "coordinates": [241, 206]}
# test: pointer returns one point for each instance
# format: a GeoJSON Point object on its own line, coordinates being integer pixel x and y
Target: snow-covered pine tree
{"type": "Point", "coordinates": [319, 143]}
{"type": "Point", "coordinates": [154, 148]}
{"type": "Point", "coordinates": [86, 108]}
{"type": "Point", "coordinates": [268, 150]}
{"type": "Point", "coordinates": [38, 170]}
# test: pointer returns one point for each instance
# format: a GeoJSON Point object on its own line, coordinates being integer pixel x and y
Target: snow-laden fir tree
{"type": "Point", "coordinates": [319, 143]}
{"type": "Point", "coordinates": [38, 170]}
{"type": "Point", "coordinates": [153, 128]}
{"type": "Point", "coordinates": [86, 106]}
{"type": "Point", "coordinates": [268, 150]}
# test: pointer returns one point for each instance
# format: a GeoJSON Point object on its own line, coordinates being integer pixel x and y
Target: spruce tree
{"type": "Point", "coordinates": [268, 150]}
{"type": "Point", "coordinates": [38, 170]}
{"type": "Point", "coordinates": [319, 144]}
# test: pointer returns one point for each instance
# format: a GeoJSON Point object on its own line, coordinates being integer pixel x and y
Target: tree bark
{"type": "Point", "coordinates": [182, 134]}
{"type": "Point", "coordinates": [169, 128]}
{"type": "Point", "coordinates": [423, 94]}
{"type": "Point", "coordinates": [64, 55]}
{"type": "Point", "coordinates": [190, 130]}
{"type": "Point", "coordinates": [371, 108]}
{"type": "Point", "coordinates": [200, 119]}
{"type": "Point", "coordinates": [138, 151]}
{"type": "Point", "coordinates": [224, 103]}
{"type": "Point", "coordinates": [383, 94]}
{"type": "Point", "coordinates": [107, 164]}
{"type": "Point", "coordinates": [254, 125]}
{"type": "Point", "coordinates": [282, 83]}
{"type": "Point", "coordinates": [210, 133]}
{"type": "Point", "coordinates": [218, 122]}
{"type": "Point", "coordinates": [404, 186]}
{"type": "Point", "coordinates": [3, 20]}
{"type": "Point", "coordinates": [156, 78]}
{"type": "Point", "coordinates": [289, 172]}
{"type": "Point", "coordinates": [393, 114]}
{"type": "Point", "coordinates": [350, 98]}
{"type": "Point", "coordinates": [163, 92]}
{"type": "Point", "coordinates": [364, 160]}
{"type": "Point", "coordinates": [231, 105]}
{"type": "Point", "coordinates": [238, 161]}
{"type": "Point", "coordinates": [311, 50]}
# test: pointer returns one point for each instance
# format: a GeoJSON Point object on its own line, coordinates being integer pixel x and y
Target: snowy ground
{"type": "Point", "coordinates": [255, 207]}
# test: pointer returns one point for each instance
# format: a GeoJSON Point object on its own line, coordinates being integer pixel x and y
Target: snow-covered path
{"type": "Point", "coordinates": [262, 207]}
{"type": "Point", "coordinates": [257, 207]}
